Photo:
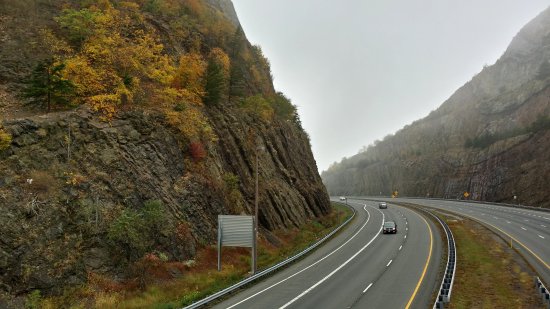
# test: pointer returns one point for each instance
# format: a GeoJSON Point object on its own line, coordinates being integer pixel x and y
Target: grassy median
{"type": "Point", "coordinates": [199, 278]}
{"type": "Point", "coordinates": [489, 274]}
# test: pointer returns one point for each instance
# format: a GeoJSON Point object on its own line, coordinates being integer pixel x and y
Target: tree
{"type": "Point", "coordinates": [47, 86]}
{"type": "Point", "coordinates": [217, 76]}
{"type": "Point", "coordinates": [237, 81]}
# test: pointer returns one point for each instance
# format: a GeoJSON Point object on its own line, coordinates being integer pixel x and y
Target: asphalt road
{"type": "Point", "coordinates": [359, 268]}
{"type": "Point", "coordinates": [527, 230]}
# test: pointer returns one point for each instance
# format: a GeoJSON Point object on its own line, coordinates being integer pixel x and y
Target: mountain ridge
{"type": "Point", "coordinates": [485, 120]}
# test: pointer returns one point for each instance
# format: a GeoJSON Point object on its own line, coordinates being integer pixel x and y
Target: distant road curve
{"type": "Point", "coordinates": [528, 230]}
{"type": "Point", "coordinates": [359, 268]}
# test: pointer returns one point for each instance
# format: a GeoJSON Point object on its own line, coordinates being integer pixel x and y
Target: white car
{"type": "Point", "coordinates": [342, 198]}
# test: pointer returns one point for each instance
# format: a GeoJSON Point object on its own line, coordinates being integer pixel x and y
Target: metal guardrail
{"type": "Point", "coordinates": [543, 291]}
{"type": "Point", "coordinates": [273, 268]}
{"type": "Point", "coordinates": [446, 288]}
{"type": "Point", "coordinates": [481, 202]}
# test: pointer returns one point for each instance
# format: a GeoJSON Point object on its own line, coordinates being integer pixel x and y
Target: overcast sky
{"type": "Point", "coordinates": [359, 70]}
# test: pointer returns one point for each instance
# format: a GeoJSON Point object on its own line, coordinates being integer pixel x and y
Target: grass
{"type": "Point", "coordinates": [489, 273]}
{"type": "Point", "coordinates": [202, 278]}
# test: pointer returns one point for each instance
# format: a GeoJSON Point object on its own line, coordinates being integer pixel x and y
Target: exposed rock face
{"type": "Point", "coordinates": [68, 180]}
{"type": "Point", "coordinates": [490, 138]}
{"type": "Point", "coordinates": [48, 230]}
{"type": "Point", "coordinates": [227, 8]}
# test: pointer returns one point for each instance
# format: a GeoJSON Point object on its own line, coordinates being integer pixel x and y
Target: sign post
{"type": "Point", "coordinates": [236, 231]}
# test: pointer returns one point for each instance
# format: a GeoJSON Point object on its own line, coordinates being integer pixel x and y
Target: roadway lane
{"type": "Point", "coordinates": [337, 274]}
{"type": "Point", "coordinates": [528, 229]}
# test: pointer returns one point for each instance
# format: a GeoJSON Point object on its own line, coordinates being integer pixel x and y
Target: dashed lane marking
{"type": "Point", "coordinates": [368, 287]}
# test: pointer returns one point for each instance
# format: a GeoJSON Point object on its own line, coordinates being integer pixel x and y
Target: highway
{"type": "Point", "coordinates": [358, 268]}
{"type": "Point", "coordinates": [528, 230]}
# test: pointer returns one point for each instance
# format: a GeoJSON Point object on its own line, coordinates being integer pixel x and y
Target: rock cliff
{"type": "Point", "coordinates": [80, 195]}
{"type": "Point", "coordinates": [491, 138]}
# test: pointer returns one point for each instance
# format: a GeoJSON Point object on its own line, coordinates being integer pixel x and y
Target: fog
{"type": "Point", "coordinates": [360, 70]}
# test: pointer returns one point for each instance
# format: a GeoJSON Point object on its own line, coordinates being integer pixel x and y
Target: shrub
{"type": "Point", "coordinates": [197, 151]}
{"type": "Point", "coordinates": [33, 300]}
{"type": "Point", "coordinates": [135, 232]}
{"type": "Point", "coordinates": [5, 140]}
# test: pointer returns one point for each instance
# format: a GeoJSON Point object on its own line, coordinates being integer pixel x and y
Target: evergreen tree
{"type": "Point", "coordinates": [46, 85]}
{"type": "Point", "coordinates": [215, 83]}
{"type": "Point", "coordinates": [237, 82]}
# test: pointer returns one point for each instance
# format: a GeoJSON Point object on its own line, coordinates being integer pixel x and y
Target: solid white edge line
{"type": "Point", "coordinates": [389, 263]}
{"type": "Point", "coordinates": [541, 236]}
{"type": "Point", "coordinates": [368, 287]}
{"type": "Point", "coordinates": [337, 269]}
{"type": "Point", "coordinates": [308, 267]}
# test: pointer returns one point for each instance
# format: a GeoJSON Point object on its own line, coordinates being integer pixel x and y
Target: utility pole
{"type": "Point", "coordinates": [256, 217]}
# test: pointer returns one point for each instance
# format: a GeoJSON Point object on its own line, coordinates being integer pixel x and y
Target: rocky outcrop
{"type": "Point", "coordinates": [81, 197]}
{"type": "Point", "coordinates": [490, 138]}
{"type": "Point", "coordinates": [67, 175]}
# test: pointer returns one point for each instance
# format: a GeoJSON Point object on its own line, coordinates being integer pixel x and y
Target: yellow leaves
{"type": "Point", "coordinates": [55, 46]}
{"type": "Point", "coordinates": [219, 56]}
{"type": "Point", "coordinates": [104, 104]}
{"type": "Point", "coordinates": [88, 80]}
{"type": "Point", "coordinates": [5, 139]}
{"type": "Point", "coordinates": [190, 76]}
{"type": "Point", "coordinates": [191, 122]}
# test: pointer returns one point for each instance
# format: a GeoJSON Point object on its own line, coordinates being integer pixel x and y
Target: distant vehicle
{"type": "Point", "coordinates": [390, 227]}
{"type": "Point", "coordinates": [342, 198]}
{"type": "Point", "coordinates": [382, 205]}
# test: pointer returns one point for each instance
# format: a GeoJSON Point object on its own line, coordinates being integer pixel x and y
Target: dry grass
{"type": "Point", "coordinates": [489, 274]}
{"type": "Point", "coordinates": [196, 281]}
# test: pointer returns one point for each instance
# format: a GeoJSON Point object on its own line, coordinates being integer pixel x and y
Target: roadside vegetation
{"type": "Point", "coordinates": [174, 284]}
{"type": "Point", "coordinates": [489, 274]}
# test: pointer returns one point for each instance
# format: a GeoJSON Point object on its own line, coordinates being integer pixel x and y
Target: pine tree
{"type": "Point", "coordinates": [46, 85]}
{"type": "Point", "coordinates": [215, 83]}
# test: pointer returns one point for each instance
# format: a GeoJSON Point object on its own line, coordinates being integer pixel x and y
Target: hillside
{"type": "Point", "coordinates": [126, 128]}
{"type": "Point", "coordinates": [491, 138]}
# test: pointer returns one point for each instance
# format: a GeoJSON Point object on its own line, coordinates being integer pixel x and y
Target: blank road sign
{"type": "Point", "coordinates": [236, 231]}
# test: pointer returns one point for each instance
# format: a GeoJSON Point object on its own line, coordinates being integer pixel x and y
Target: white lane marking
{"type": "Point", "coordinates": [406, 228]}
{"type": "Point", "coordinates": [508, 222]}
{"type": "Point", "coordinates": [523, 228]}
{"type": "Point", "coordinates": [543, 225]}
{"type": "Point", "coordinates": [483, 214]}
{"type": "Point", "coordinates": [367, 288]}
{"type": "Point", "coordinates": [525, 220]}
{"type": "Point", "coordinates": [337, 269]}
{"type": "Point", "coordinates": [405, 236]}
{"type": "Point", "coordinates": [495, 217]}
{"type": "Point", "coordinates": [317, 262]}
{"type": "Point", "coordinates": [389, 263]}
{"type": "Point", "coordinates": [541, 236]}
{"type": "Point", "coordinates": [400, 247]}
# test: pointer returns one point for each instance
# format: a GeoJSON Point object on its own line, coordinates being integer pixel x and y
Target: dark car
{"type": "Point", "coordinates": [389, 227]}
{"type": "Point", "coordinates": [382, 205]}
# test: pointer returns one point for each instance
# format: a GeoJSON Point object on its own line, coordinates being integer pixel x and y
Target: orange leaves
{"type": "Point", "coordinates": [197, 151]}
{"type": "Point", "coordinates": [221, 58]}
{"type": "Point", "coordinates": [190, 77]}
{"type": "Point", "coordinates": [117, 61]}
